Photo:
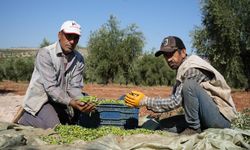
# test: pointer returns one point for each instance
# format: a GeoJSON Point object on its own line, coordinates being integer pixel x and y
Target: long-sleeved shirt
{"type": "Point", "coordinates": [158, 104]}
{"type": "Point", "coordinates": [56, 77]}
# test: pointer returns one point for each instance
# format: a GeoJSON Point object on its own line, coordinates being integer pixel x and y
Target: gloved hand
{"type": "Point", "coordinates": [133, 98]}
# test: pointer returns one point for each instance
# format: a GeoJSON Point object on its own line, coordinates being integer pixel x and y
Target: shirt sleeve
{"type": "Point", "coordinates": [175, 99]}
{"type": "Point", "coordinates": [198, 75]}
{"type": "Point", "coordinates": [165, 104]}
{"type": "Point", "coordinates": [76, 81]}
{"type": "Point", "coordinates": [48, 75]}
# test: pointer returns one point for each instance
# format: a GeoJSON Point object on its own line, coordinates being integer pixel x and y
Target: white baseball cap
{"type": "Point", "coordinates": [71, 27]}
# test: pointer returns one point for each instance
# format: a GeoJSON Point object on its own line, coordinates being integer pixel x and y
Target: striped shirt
{"type": "Point", "coordinates": [158, 104]}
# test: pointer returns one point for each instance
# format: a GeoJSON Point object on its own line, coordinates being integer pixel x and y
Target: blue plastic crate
{"type": "Point", "coordinates": [111, 114]}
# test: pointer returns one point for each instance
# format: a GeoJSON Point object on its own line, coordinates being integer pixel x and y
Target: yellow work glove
{"type": "Point", "coordinates": [133, 98]}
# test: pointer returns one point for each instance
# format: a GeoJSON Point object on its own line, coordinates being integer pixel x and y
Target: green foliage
{"type": "Point", "coordinates": [16, 68]}
{"type": "Point", "coordinates": [243, 120]}
{"type": "Point", "coordinates": [224, 38]}
{"type": "Point", "coordinates": [111, 51]}
{"type": "Point", "coordinates": [97, 101]}
{"type": "Point", "coordinates": [154, 71]}
{"type": "Point", "coordinates": [1, 72]}
{"type": "Point", "coordinates": [114, 56]}
{"type": "Point", "coordinates": [45, 43]}
{"type": "Point", "coordinates": [68, 134]}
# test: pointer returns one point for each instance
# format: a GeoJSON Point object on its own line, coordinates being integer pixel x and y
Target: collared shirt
{"type": "Point", "coordinates": [56, 77]}
{"type": "Point", "coordinates": [158, 104]}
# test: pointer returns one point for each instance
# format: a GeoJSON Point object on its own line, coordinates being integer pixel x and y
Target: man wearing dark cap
{"type": "Point", "coordinates": [200, 89]}
{"type": "Point", "coordinates": [56, 84]}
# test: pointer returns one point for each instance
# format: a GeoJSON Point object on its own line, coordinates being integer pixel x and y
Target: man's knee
{"type": "Point", "coordinates": [189, 85]}
{"type": "Point", "coordinates": [29, 120]}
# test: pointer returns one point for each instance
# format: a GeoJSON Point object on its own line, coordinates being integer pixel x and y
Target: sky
{"type": "Point", "coordinates": [25, 23]}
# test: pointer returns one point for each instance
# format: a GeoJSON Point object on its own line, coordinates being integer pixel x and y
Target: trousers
{"type": "Point", "coordinates": [50, 115]}
{"type": "Point", "coordinates": [200, 111]}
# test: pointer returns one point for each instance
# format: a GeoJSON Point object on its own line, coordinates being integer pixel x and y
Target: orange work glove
{"type": "Point", "coordinates": [133, 99]}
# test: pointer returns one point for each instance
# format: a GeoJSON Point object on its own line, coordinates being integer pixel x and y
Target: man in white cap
{"type": "Point", "coordinates": [56, 84]}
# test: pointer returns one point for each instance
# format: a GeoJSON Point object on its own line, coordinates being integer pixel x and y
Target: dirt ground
{"type": "Point", "coordinates": [11, 95]}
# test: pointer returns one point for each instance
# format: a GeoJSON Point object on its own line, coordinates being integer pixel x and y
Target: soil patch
{"type": "Point", "coordinates": [111, 91]}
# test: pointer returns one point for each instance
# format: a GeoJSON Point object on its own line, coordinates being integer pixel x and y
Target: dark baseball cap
{"type": "Point", "coordinates": [170, 44]}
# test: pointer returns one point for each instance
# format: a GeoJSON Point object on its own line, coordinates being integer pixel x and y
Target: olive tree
{"type": "Point", "coordinates": [111, 50]}
{"type": "Point", "coordinates": [224, 37]}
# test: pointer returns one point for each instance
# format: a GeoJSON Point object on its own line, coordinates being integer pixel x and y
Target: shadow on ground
{"type": "Point", "coordinates": [3, 91]}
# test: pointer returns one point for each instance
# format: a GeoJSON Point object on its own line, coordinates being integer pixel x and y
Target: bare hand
{"type": "Point", "coordinates": [81, 106]}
